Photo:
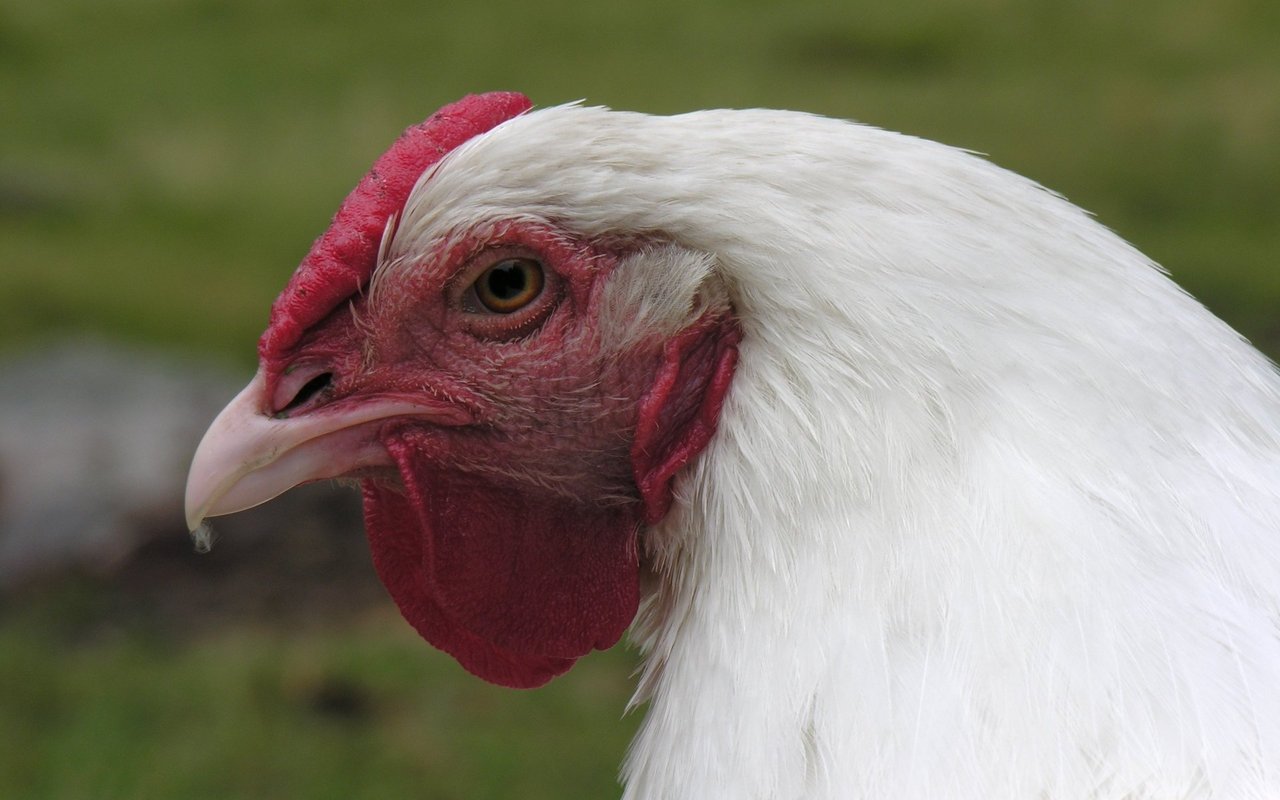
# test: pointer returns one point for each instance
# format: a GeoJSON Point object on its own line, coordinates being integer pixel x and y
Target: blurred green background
{"type": "Point", "coordinates": [164, 164]}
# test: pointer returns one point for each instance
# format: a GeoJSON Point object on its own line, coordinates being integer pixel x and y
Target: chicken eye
{"type": "Point", "coordinates": [509, 285]}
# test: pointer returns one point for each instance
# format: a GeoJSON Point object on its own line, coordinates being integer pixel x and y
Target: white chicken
{"type": "Point", "coordinates": [991, 508]}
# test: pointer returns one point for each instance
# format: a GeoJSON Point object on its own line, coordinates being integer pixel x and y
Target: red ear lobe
{"type": "Point", "coordinates": [679, 412]}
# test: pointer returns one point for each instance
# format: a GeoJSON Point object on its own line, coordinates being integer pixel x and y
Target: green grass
{"type": "Point", "coordinates": [364, 711]}
{"type": "Point", "coordinates": [164, 165]}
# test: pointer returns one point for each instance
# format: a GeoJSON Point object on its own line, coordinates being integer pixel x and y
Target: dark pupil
{"type": "Point", "coordinates": [507, 280]}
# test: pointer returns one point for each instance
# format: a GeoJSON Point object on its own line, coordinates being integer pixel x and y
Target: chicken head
{"type": "Point", "coordinates": [514, 398]}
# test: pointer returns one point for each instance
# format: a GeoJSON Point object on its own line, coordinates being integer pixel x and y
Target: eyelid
{"type": "Point", "coordinates": [475, 265]}
{"type": "Point", "coordinates": [497, 325]}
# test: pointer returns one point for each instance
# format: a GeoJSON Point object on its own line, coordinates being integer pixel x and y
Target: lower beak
{"type": "Point", "coordinates": [247, 456]}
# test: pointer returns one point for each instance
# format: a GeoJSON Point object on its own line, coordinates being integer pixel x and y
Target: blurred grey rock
{"type": "Point", "coordinates": [95, 440]}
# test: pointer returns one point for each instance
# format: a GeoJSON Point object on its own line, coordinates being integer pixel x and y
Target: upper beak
{"type": "Point", "coordinates": [248, 456]}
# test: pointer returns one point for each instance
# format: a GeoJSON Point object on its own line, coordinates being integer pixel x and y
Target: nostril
{"type": "Point", "coordinates": [309, 390]}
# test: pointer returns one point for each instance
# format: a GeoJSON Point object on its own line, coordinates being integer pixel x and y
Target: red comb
{"type": "Point", "coordinates": [343, 258]}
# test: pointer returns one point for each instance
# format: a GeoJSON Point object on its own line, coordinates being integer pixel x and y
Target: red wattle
{"type": "Point", "coordinates": [513, 581]}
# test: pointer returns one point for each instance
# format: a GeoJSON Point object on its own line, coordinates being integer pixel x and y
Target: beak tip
{"type": "Point", "coordinates": [218, 460]}
{"type": "Point", "coordinates": [201, 491]}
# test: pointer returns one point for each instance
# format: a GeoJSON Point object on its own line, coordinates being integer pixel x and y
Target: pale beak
{"type": "Point", "coordinates": [247, 457]}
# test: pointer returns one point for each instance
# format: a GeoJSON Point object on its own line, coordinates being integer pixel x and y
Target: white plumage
{"type": "Point", "coordinates": [994, 507]}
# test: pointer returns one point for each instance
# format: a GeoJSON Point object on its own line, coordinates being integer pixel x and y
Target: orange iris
{"type": "Point", "coordinates": [509, 285]}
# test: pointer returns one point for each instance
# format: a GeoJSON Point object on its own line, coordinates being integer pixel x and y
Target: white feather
{"type": "Point", "coordinates": [994, 507]}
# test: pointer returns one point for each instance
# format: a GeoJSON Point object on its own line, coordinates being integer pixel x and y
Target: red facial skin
{"type": "Point", "coordinates": [511, 542]}
{"type": "Point", "coordinates": [507, 531]}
